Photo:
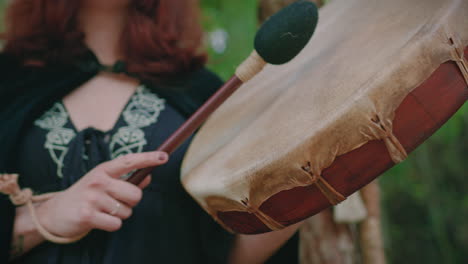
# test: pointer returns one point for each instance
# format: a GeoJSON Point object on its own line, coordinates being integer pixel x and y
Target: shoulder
{"type": "Point", "coordinates": [8, 65]}
{"type": "Point", "coordinates": [189, 91]}
{"type": "Point", "coordinates": [17, 79]}
{"type": "Point", "coordinates": [15, 72]}
{"type": "Point", "coordinates": [5, 59]}
{"type": "Point", "coordinates": [11, 64]}
{"type": "Point", "coordinates": [202, 84]}
{"type": "Point", "coordinates": [11, 75]}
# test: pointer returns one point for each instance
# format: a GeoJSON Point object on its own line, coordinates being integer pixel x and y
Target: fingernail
{"type": "Point", "coordinates": [163, 156]}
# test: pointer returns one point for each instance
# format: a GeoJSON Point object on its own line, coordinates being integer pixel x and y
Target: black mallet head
{"type": "Point", "coordinates": [287, 32]}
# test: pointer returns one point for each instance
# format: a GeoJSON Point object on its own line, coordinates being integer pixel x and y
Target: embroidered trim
{"type": "Point", "coordinates": [59, 137]}
{"type": "Point", "coordinates": [142, 110]}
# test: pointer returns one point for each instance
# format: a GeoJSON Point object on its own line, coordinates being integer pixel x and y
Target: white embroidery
{"type": "Point", "coordinates": [58, 138]}
{"type": "Point", "coordinates": [142, 110]}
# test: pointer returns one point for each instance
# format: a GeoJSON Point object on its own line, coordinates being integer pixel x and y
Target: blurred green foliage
{"type": "Point", "coordinates": [424, 199]}
{"type": "Point", "coordinates": [238, 20]}
{"type": "Point", "coordinates": [2, 14]}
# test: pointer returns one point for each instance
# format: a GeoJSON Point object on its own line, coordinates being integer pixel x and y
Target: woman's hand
{"type": "Point", "coordinates": [99, 200]}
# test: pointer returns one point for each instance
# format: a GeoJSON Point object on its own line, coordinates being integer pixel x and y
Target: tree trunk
{"type": "Point", "coordinates": [323, 241]}
{"type": "Point", "coordinates": [370, 233]}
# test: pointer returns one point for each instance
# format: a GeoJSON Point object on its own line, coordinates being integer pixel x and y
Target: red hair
{"type": "Point", "coordinates": [161, 38]}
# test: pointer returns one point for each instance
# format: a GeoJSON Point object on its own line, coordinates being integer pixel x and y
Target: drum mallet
{"type": "Point", "coordinates": [278, 41]}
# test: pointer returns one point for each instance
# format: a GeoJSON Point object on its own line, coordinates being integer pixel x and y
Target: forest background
{"type": "Point", "coordinates": [424, 201]}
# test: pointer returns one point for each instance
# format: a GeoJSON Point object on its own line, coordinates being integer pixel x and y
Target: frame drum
{"type": "Point", "coordinates": [376, 80]}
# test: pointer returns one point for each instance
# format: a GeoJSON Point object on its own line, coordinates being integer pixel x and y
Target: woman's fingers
{"type": "Point", "coordinates": [108, 199]}
{"type": "Point", "coordinates": [109, 205]}
{"type": "Point", "coordinates": [128, 163]}
{"type": "Point", "coordinates": [106, 222]}
{"type": "Point", "coordinates": [145, 182]}
{"type": "Point", "coordinates": [125, 192]}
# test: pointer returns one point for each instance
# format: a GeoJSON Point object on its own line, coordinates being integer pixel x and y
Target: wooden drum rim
{"type": "Point", "coordinates": [420, 115]}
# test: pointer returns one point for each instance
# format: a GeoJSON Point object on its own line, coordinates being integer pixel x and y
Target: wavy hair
{"type": "Point", "coordinates": [161, 37]}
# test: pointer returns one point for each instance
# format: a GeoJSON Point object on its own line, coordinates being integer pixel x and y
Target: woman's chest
{"type": "Point", "coordinates": [54, 153]}
{"type": "Point", "coordinates": [99, 102]}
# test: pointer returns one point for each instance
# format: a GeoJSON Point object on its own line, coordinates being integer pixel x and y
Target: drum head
{"type": "Point", "coordinates": [258, 163]}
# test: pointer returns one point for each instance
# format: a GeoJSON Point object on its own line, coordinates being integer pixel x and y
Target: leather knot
{"type": "Point", "coordinates": [9, 183]}
{"type": "Point", "coordinates": [9, 186]}
{"type": "Point", "coordinates": [22, 197]}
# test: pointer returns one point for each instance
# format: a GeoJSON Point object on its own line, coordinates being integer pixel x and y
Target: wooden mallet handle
{"type": "Point", "coordinates": [251, 66]}
{"type": "Point", "coordinates": [278, 41]}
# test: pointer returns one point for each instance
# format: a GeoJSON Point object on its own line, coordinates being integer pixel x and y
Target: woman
{"type": "Point", "coordinates": [73, 125]}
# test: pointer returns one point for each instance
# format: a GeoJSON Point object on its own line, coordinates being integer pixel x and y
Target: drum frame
{"type": "Point", "coordinates": [421, 114]}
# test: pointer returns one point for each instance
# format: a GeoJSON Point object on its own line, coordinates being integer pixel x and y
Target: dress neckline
{"type": "Point", "coordinates": [117, 121]}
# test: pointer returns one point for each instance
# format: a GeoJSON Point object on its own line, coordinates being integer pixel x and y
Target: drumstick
{"type": "Point", "coordinates": [278, 41]}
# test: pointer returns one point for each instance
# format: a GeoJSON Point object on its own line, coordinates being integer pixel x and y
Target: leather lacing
{"type": "Point", "coordinates": [332, 195]}
{"type": "Point", "coordinates": [267, 220]}
{"type": "Point", "coordinates": [459, 57]}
